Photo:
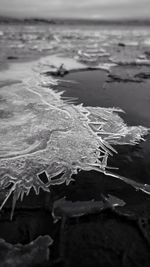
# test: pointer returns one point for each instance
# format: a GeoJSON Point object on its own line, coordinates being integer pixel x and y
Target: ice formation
{"type": "Point", "coordinates": [63, 208]}
{"type": "Point", "coordinates": [41, 131]}
{"type": "Point", "coordinates": [33, 254]}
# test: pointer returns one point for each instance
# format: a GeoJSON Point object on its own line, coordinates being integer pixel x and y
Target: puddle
{"type": "Point", "coordinates": [91, 89]}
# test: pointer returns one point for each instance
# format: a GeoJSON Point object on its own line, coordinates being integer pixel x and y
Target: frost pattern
{"type": "Point", "coordinates": [40, 131]}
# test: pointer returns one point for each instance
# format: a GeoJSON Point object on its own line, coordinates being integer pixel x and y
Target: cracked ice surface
{"type": "Point", "coordinates": [40, 131]}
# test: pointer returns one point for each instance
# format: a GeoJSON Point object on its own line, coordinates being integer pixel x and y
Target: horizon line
{"type": "Point", "coordinates": [11, 17]}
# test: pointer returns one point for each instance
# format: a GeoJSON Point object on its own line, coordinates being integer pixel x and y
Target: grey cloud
{"type": "Point", "coordinates": [79, 8]}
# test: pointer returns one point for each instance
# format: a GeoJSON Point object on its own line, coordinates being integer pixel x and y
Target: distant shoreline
{"type": "Point", "coordinates": [61, 21]}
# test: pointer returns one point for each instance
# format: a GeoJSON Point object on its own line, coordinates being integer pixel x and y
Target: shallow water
{"type": "Point", "coordinates": [92, 89]}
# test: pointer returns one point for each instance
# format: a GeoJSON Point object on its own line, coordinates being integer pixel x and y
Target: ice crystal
{"type": "Point", "coordinates": [43, 132]}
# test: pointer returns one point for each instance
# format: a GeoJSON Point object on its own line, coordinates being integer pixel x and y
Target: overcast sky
{"type": "Point", "coordinates": [103, 9]}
